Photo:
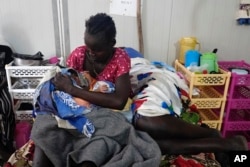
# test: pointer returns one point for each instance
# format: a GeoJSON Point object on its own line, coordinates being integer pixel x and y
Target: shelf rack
{"type": "Point", "coordinates": [22, 82]}
{"type": "Point", "coordinates": [213, 90]}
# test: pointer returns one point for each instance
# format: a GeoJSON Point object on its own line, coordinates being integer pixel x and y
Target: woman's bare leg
{"type": "Point", "coordinates": [167, 127]}
{"type": "Point", "coordinates": [208, 145]}
{"type": "Point", "coordinates": [175, 136]}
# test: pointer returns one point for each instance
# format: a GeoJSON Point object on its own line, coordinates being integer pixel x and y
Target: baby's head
{"type": "Point", "coordinates": [104, 87]}
{"type": "Point", "coordinates": [79, 79]}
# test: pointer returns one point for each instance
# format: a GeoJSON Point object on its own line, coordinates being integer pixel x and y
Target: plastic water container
{"type": "Point", "coordinates": [22, 133]}
{"type": "Point", "coordinates": [210, 59]}
{"type": "Point", "coordinates": [187, 43]}
{"type": "Point", "coordinates": [192, 58]}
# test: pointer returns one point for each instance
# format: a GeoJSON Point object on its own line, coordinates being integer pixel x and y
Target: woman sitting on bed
{"type": "Point", "coordinates": [106, 62]}
{"type": "Point", "coordinates": [114, 139]}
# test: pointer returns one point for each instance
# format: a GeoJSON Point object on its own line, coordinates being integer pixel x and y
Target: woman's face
{"type": "Point", "coordinates": [96, 48]}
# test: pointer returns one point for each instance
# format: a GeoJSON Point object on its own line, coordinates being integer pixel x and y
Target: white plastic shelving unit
{"type": "Point", "coordinates": [22, 81]}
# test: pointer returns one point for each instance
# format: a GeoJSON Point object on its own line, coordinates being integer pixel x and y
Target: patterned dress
{"type": "Point", "coordinates": [118, 65]}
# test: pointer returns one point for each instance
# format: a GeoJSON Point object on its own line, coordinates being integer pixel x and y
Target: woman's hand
{"type": "Point", "coordinates": [62, 82]}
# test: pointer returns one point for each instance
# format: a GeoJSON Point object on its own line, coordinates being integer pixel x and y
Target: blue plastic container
{"type": "Point", "coordinates": [192, 58]}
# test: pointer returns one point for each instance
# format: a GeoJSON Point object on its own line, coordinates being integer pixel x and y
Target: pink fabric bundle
{"type": "Point", "coordinates": [22, 133]}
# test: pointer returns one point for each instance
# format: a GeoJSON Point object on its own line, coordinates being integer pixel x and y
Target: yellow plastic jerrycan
{"type": "Point", "coordinates": [187, 43]}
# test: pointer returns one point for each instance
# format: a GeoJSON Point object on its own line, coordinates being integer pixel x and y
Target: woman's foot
{"type": "Point", "coordinates": [238, 143]}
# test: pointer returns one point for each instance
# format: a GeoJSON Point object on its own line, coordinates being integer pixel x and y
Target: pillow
{"type": "Point", "coordinates": [132, 52]}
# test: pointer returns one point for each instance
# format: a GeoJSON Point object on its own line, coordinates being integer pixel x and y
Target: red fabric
{"type": "Point", "coordinates": [118, 65]}
{"type": "Point", "coordinates": [182, 162]}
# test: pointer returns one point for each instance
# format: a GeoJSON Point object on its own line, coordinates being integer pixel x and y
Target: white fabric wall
{"type": "Point", "coordinates": [30, 26]}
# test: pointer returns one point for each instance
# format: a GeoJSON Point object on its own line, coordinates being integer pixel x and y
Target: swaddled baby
{"type": "Point", "coordinates": [84, 79]}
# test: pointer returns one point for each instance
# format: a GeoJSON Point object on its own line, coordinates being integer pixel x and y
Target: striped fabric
{"type": "Point", "coordinates": [7, 122]}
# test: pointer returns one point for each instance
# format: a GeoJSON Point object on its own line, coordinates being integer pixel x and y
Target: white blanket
{"type": "Point", "coordinates": [155, 89]}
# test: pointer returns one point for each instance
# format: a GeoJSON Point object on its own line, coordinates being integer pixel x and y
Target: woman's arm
{"type": "Point", "coordinates": [116, 100]}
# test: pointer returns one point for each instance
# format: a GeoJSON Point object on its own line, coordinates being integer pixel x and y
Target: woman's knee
{"type": "Point", "coordinates": [152, 125]}
{"type": "Point", "coordinates": [216, 133]}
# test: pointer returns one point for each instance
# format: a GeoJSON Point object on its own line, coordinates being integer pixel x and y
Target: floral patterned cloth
{"type": "Point", "coordinates": [200, 160]}
{"type": "Point", "coordinates": [22, 157]}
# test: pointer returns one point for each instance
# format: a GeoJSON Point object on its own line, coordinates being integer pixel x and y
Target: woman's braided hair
{"type": "Point", "coordinates": [102, 26]}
